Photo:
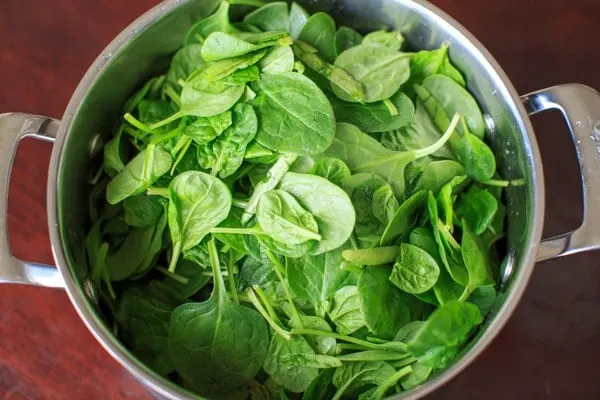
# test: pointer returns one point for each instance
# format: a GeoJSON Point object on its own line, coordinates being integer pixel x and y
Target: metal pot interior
{"type": "Point", "coordinates": [144, 49]}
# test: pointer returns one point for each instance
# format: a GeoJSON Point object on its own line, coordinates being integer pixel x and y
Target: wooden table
{"type": "Point", "coordinates": [549, 349]}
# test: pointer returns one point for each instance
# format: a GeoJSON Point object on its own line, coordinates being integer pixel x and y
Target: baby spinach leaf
{"type": "Point", "coordinates": [478, 208]}
{"type": "Point", "coordinates": [446, 199]}
{"type": "Point", "coordinates": [476, 260]}
{"type": "Point", "coordinates": [380, 69]}
{"type": "Point", "coordinates": [198, 202]}
{"type": "Point", "coordinates": [332, 169]}
{"type": "Point", "coordinates": [139, 174]}
{"type": "Point", "coordinates": [319, 31]}
{"type": "Point", "coordinates": [288, 121]}
{"type": "Point", "coordinates": [430, 62]}
{"type": "Point", "coordinates": [142, 211]}
{"type": "Point", "coordinates": [457, 271]}
{"type": "Point", "coordinates": [383, 306]}
{"type": "Point", "coordinates": [217, 346]}
{"type": "Point", "coordinates": [339, 78]}
{"type": "Point", "coordinates": [477, 158]}
{"type": "Point", "coordinates": [216, 22]}
{"type": "Point", "coordinates": [320, 388]}
{"type": "Point", "coordinates": [484, 297]}
{"type": "Point", "coordinates": [113, 160]}
{"type": "Point", "coordinates": [363, 153]}
{"type": "Point", "coordinates": [439, 173]}
{"type": "Point", "coordinates": [298, 18]}
{"type": "Point", "coordinates": [393, 39]}
{"type": "Point", "coordinates": [270, 17]}
{"type": "Point", "coordinates": [193, 272]}
{"type": "Point", "coordinates": [415, 271]}
{"type": "Point", "coordinates": [316, 278]}
{"type": "Point", "coordinates": [419, 374]}
{"type": "Point", "coordinates": [321, 344]}
{"type": "Point", "coordinates": [277, 61]}
{"type": "Point", "coordinates": [379, 392]}
{"type": "Point", "coordinates": [453, 98]}
{"type": "Point", "coordinates": [445, 331]}
{"type": "Point", "coordinates": [204, 100]}
{"type": "Point", "coordinates": [362, 196]}
{"type": "Point", "coordinates": [230, 147]}
{"type": "Point", "coordinates": [206, 129]}
{"type": "Point", "coordinates": [281, 216]}
{"type": "Point", "coordinates": [184, 62]}
{"type": "Point", "coordinates": [345, 38]}
{"type": "Point", "coordinates": [418, 132]}
{"type": "Point", "coordinates": [345, 312]}
{"type": "Point", "coordinates": [375, 117]}
{"type": "Point", "coordinates": [243, 76]}
{"type": "Point", "coordinates": [143, 321]}
{"type": "Point", "coordinates": [318, 196]}
{"type": "Point", "coordinates": [355, 376]}
{"type": "Point", "coordinates": [384, 204]}
{"type": "Point", "coordinates": [285, 249]}
{"type": "Point", "coordinates": [219, 45]}
{"type": "Point", "coordinates": [270, 181]}
{"type": "Point", "coordinates": [403, 218]}
{"type": "Point", "coordinates": [284, 363]}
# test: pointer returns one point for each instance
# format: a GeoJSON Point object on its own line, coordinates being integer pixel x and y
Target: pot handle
{"type": "Point", "coordinates": [580, 106]}
{"type": "Point", "coordinates": [13, 128]}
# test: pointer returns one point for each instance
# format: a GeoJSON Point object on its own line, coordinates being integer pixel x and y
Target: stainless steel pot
{"type": "Point", "coordinates": [144, 49]}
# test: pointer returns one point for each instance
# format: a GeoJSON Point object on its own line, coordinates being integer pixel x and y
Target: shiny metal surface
{"type": "Point", "coordinates": [144, 48]}
{"type": "Point", "coordinates": [13, 128]}
{"type": "Point", "coordinates": [580, 106]}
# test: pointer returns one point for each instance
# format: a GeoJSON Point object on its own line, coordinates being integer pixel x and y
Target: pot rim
{"type": "Point", "coordinates": [168, 389]}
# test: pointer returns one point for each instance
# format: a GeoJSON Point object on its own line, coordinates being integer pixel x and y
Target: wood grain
{"type": "Point", "coordinates": [550, 347]}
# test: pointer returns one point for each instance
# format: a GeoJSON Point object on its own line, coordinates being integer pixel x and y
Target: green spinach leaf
{"type": "Point", "coordinates": [217, 346]}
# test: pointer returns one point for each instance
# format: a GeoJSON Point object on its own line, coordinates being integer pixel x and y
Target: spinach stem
{"type": "Point", "coordinates": [391, 107]}
{"type": "Point", "coordinates": [231, 279]}
{"type": "Point", "coordinates": [349, 339]}
{"type": "Point", "coordinates": [391, 381]}
{"type": "Point", "coordinates": [184, 149]}
{"type": "Point", "coordinates": [98, 266]}
{"type": "Point", "coordinates": [280, 270]}
{"type": "Point", "coordinates": [176, 277]}
{"type": "Point", "coordinates": [403, 363]}
{"type": "Point", "coordinates": [167, 136]}
{"type": "Point", "coordinates": [172, 94]}
{"type": "Point", "coordinates": [219, 291]}
{"type": "Point", "coordinates": [175, 256]}
{"type": "Point", "coordinates": [274, 176]}
{"type": "Point", "coordinates": [253, 3]}
{"type": "Point", "coordinates": [181, 82]}
{"type": "Point", "coordinates": [240, 203]}
{"type": "Point", "coordinates": [379, 356]}
{"type": "Point", "coordinates": [267, 302]}
{"type": "Point", "coordinates": [441, 142]}
{"type": "Point", "coordinates": [349, 346]}
{"type": "Point", "coordinates": [111, 291]}
{"type": "Point", "coordinates": [256, 303]}
{"type": "Point", "coordinates": [199, 38]}
{"type": "Point", "coordinates": [504, 183]}
{"type": "Point", "coordinates": [238, 231]}
{"type": "Point", "coordinates": [137, 123]}
{"type": "Point", "coordinates": [465, 294]}
{"type": "Point", "coordinates": [167, 120]}
{"type": "Point", "coordinates": [156, 191]}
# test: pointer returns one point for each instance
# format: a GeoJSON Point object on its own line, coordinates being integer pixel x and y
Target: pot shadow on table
{"type": "Point", "coordinates": [549, 348]}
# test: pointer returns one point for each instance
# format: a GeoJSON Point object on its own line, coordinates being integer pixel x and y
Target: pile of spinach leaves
{"type": "Point", "coordinates": [297, 210]}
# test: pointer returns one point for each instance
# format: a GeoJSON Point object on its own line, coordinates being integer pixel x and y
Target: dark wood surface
{"type": "Point", "coordinates": [549, 349]}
